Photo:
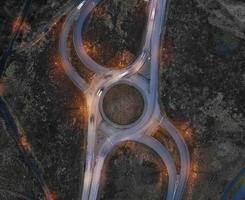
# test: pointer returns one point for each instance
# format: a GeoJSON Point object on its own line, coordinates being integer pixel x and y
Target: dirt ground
{"type": "Point", "coordinates": [123, 104]}
{"type": "Point", "coordinates": [123, 24]}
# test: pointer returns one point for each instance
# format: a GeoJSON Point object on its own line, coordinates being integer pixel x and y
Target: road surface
{"type": "Point", "coordinates": [105, 78]}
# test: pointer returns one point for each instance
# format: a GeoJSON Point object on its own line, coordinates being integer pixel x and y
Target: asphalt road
{"type": "Point", "coordinates": [103, 79]}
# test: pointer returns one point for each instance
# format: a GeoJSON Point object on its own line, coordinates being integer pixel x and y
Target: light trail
{"type": "Point", "coordinates": [104, 79]}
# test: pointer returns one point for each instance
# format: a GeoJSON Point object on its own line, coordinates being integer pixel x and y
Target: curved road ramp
{"type": "Point", "coordinates": [104, 134]}
{"type": "Point", "coordinates": [123, 101]}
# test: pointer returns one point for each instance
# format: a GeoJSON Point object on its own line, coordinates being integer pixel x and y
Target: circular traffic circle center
{"type": "Point", "coordinates": [123, 104]}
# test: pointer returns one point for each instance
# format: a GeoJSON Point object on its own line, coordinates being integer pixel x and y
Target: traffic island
{"type": "Point", "coordinates": [123, 104]}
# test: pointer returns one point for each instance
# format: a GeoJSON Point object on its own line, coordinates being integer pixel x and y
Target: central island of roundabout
{"type": "Point", "coordinates": [123, 104]}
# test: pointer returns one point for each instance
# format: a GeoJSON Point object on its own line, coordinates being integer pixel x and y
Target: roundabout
{"type": "Point", "coordinates": [123, 104]}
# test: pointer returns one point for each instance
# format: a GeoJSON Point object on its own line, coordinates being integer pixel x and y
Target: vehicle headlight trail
{"type": "Point", "coordinates": [104, 78]}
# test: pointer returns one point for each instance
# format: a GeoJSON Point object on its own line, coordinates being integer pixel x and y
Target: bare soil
{"type": "Point", "coordinates": [123, 104]}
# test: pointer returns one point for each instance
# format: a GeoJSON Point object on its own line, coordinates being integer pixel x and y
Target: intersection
{"type": "Point", "coordinates": [139, 131]}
